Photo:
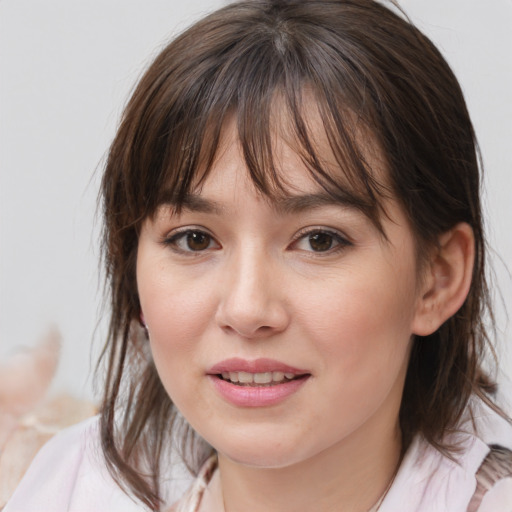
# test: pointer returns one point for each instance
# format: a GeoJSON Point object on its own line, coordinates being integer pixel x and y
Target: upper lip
{"type": "Point", "coordinates": [261, 365]}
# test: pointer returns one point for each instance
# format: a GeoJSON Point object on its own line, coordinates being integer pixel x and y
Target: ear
{"type": "Point", "coordinates": [446, 279]}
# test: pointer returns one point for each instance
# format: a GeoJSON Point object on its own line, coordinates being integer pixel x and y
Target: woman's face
{"type": "Point", "coordinates": [280, 329]}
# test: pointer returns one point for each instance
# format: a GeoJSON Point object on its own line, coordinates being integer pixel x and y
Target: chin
{"type": "Point", "coordinates": [263, 454]}
{"type": "Point", "coordinates": [262, 460]}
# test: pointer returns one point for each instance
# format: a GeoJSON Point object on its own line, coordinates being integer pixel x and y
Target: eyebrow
{"type": "Point", "coordinates": [286, 205]}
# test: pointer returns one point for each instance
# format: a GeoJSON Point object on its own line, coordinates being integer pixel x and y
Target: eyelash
{"type": "Point", "coordinates": [340, 242]}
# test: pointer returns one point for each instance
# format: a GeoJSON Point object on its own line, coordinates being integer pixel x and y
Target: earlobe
{"type": "Point", "coordinates": [447, 279]}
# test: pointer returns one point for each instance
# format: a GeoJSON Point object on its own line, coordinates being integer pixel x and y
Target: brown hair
{"type": "Point", "coordinates": [368, 69]}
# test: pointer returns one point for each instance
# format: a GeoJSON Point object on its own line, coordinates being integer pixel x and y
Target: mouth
{"type": "Point", "coordinates": [261, 379]}
{"type": "Point", "coordinates": [256, 373]}
{"type": "Point", "coordinates": [256, 383]}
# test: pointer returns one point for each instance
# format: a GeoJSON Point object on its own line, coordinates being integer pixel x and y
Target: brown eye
{"type": "Point", "coordinates": [321, 242]}
{"type": "Point", "coordinates": [197, 241]}
{"type": "Point", "coordinates": [191, 240]}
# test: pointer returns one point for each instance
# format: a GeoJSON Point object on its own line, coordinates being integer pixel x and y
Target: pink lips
{"type": "Point", "coordinates": [255, 396]}
{"type": "Point", "coordinates": [237, 364]}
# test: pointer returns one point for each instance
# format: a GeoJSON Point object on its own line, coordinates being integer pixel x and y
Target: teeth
{"type": "Point", "coordinates": [277, 376]}
{"type": "Point", "coordinates": [245, 378]}
{"type": "Point", "coordinates": [257, 378]}
{"type": "Point", "coordinates": [263, 378]}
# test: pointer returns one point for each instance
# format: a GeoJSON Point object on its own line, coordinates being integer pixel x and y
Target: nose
{"type": "Point", "coordinates": [253, 302]}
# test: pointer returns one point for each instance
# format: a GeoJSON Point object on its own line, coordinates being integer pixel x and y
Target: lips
{"type": "Point", "coordinates": [256, 372]}
{"type": "Point", "coordinates": [262, 365]}
{"type": "Point", "coordinates": [257, 383]}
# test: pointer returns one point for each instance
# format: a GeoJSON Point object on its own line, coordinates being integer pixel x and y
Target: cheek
{"type": "Point", "coordinates": [176, 309]}
{"type": "Point", "coordinates": [363, 335]}
{"type": "Point", "coordinates": [177, 318]}
{"type": "Point", "coordinates": [364, 319]}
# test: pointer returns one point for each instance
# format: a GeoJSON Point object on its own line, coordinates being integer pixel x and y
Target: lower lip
{"type": "Point", "coordinates": [256, 396]}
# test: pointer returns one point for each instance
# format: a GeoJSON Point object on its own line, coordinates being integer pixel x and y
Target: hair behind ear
{"type": "Point", "coordinates": [446, 365]}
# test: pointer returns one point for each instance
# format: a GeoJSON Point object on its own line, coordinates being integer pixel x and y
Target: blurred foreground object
{"type": "Point", "coordinates": [28, 418]}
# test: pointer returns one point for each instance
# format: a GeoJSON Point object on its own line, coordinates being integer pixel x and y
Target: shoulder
{"type": "Point", "coordinates": [494, 483]}
{"type": "Point", "coordinates": [499, 498]}
{"type": "Point", "coordinates": [494, 476]}
{"type": "Point", "coordinates": [68, 474]}
{"type": "Point", "coordinates": [429, 481]}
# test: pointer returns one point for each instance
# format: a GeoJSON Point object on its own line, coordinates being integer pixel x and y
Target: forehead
{"type": "Point", "coordinates": [340, 155]}
{"type": "Point", "coordinates": [300, 142]}
{"type": "Point", "coordinates": [297, 175]}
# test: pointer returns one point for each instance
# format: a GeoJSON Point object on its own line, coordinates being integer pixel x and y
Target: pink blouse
{"type": "Point", "coordinates": [69, 475]}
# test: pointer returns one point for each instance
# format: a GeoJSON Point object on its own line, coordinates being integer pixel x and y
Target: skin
{"type": "Point", "coordinates": [258, 287]}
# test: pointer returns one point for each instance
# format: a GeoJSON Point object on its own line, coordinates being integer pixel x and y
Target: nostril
{"type": "Point", "coordinates": [247, 331]}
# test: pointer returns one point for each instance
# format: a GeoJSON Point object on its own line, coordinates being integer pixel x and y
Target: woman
{"type": "Point", "coordinates": [294, 246]}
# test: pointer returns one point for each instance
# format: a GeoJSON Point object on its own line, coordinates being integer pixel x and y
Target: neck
{"type": "Point", "coordinates": [350, 476]}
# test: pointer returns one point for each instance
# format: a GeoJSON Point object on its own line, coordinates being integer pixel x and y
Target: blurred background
{"type": "Point", "coordinates": [66, 70]}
